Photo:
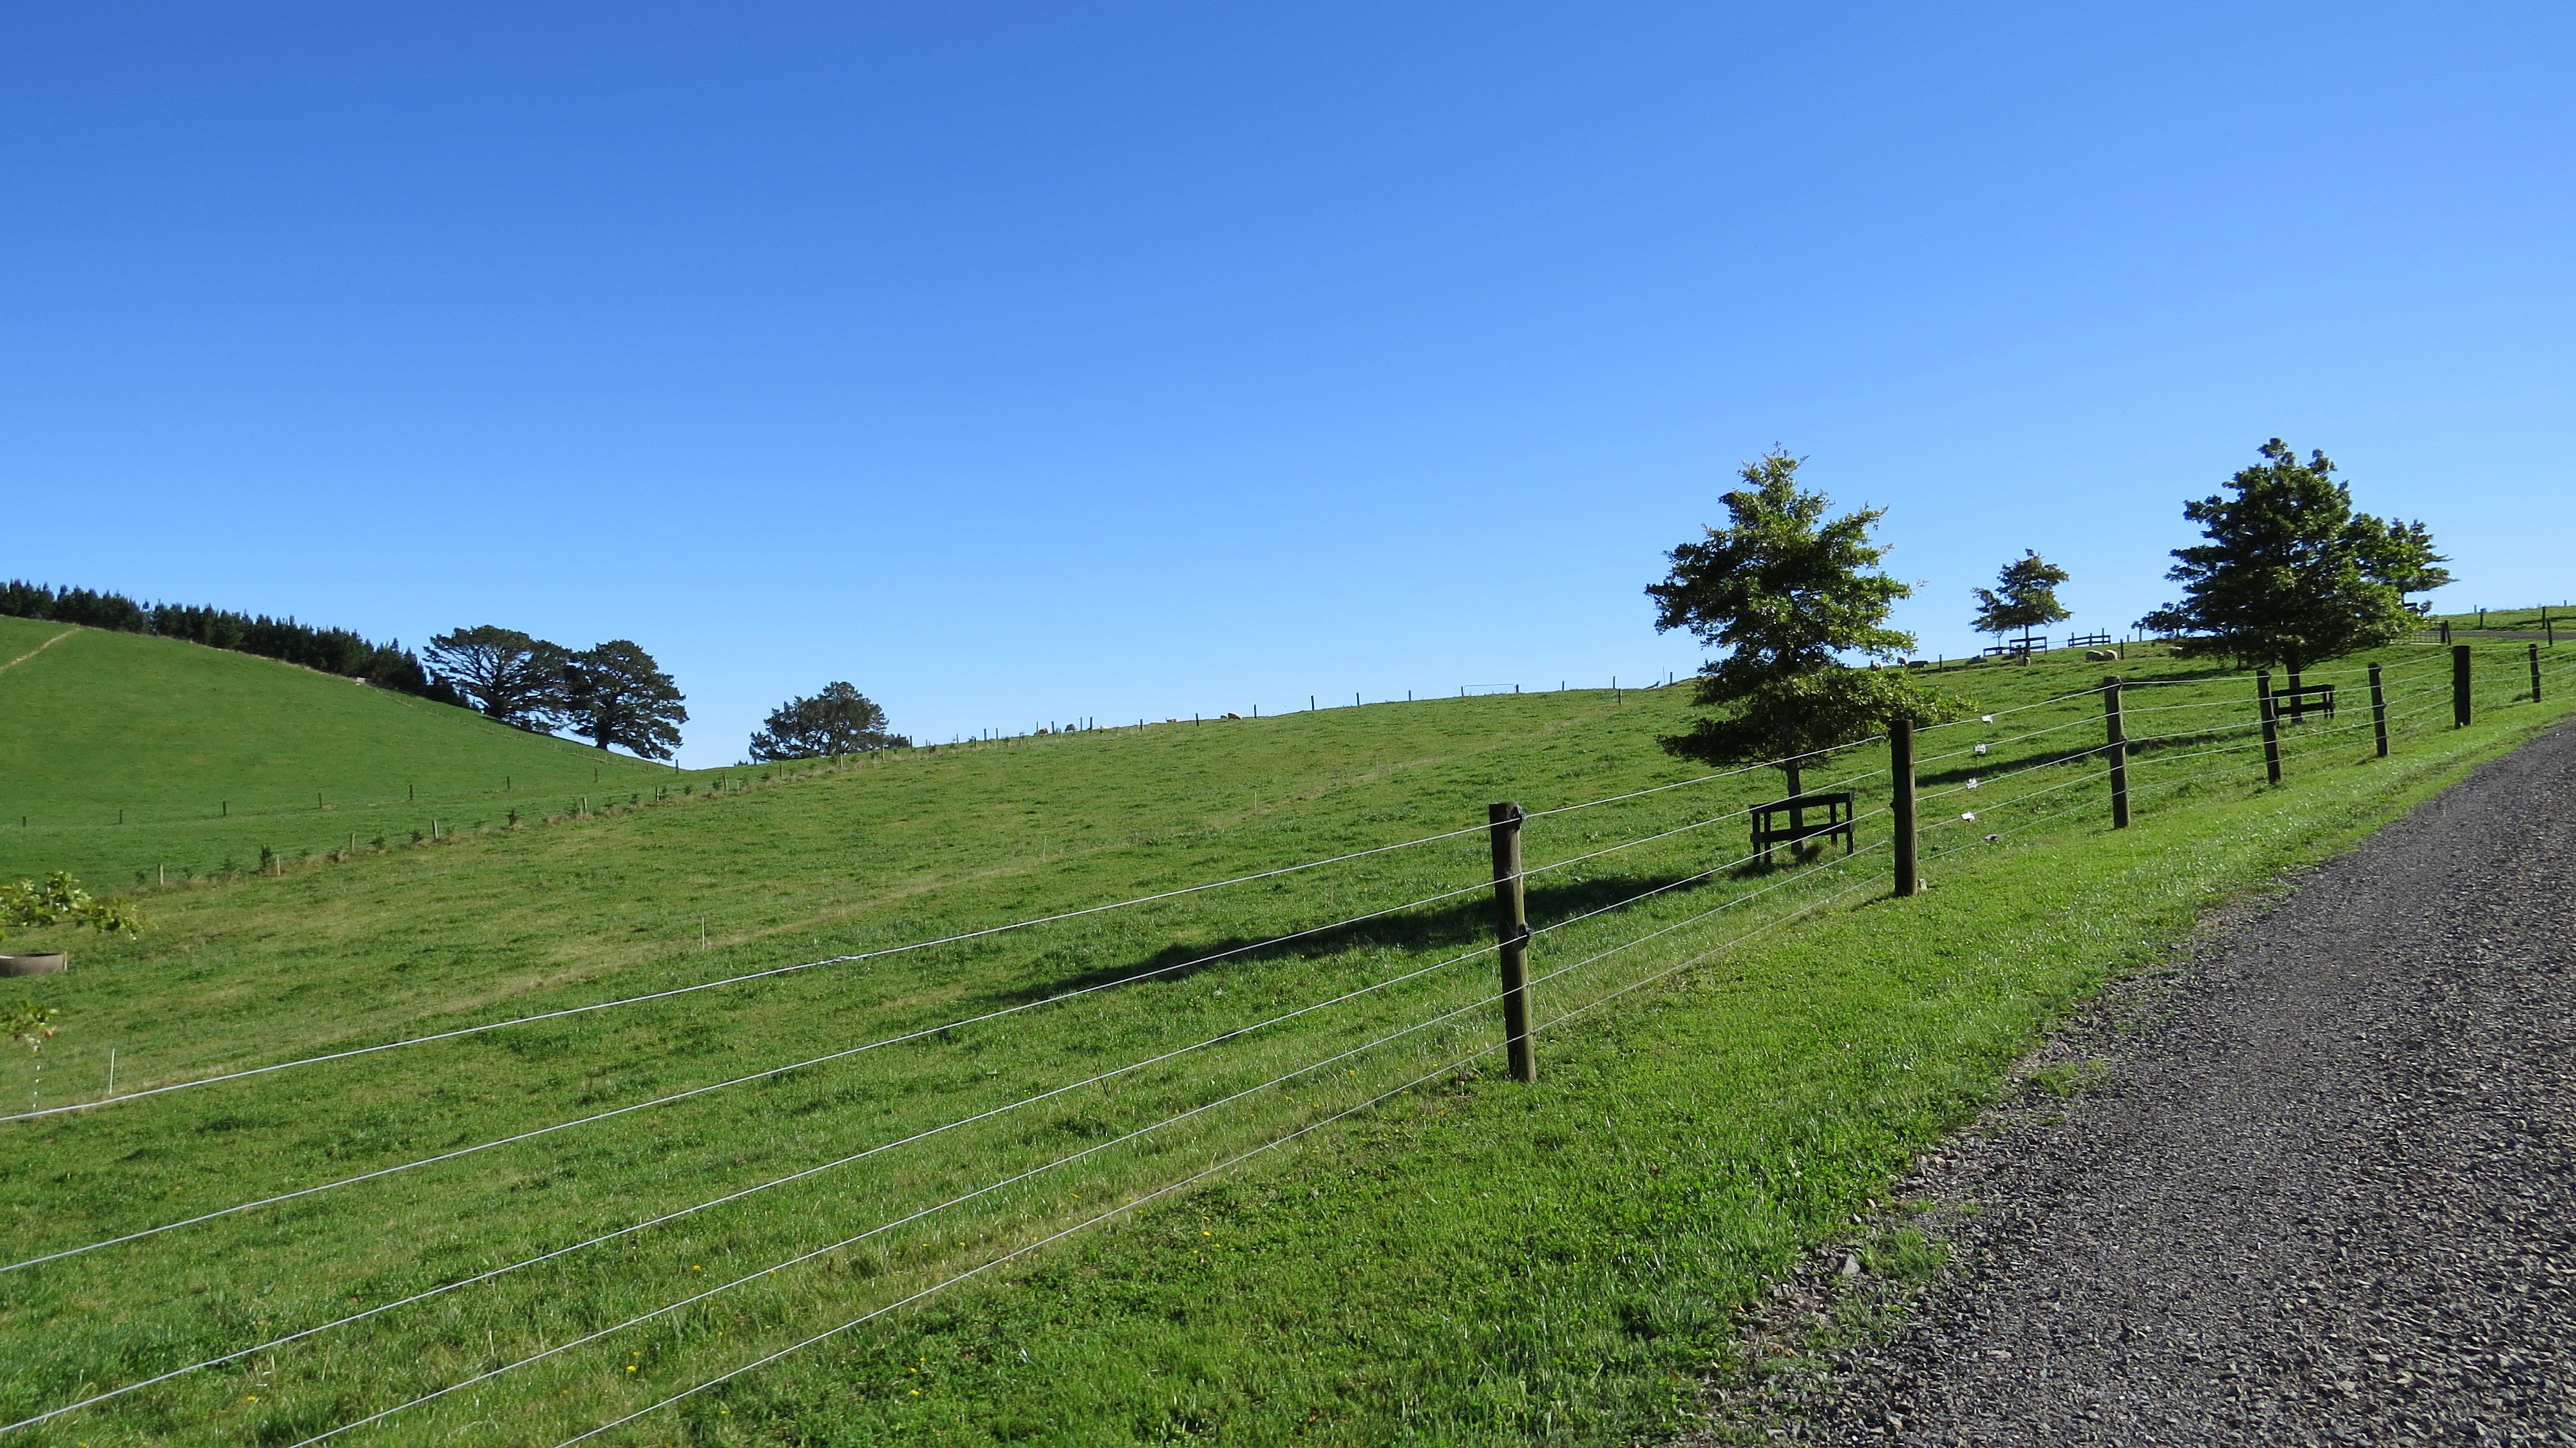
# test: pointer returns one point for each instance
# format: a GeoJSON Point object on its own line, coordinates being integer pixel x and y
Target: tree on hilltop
{"type": "Point", "coordinates": [1788, 593]}
{"type": "Point", "coordinates": [2291, 575]}
{"type": "Point", "coordinates": [839, 720]}
{"type": "Point", "coordinates": [508, 675]}
{"type": "Point", "coordinates": [2024, 598]}
{"type": "Point", "coordinates": [614, 694]}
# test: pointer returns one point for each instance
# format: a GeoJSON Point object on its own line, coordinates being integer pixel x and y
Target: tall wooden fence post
{"type": "Point", "coordinates": [2379, 711]}
{"type": "Point", "coordinates": [2271, 727]}
{"type": "Point", "coordinates": [2459, 686]}
{"type": "Point", "coordinates": [1900, 769]}
{"type": "Point", "coordinates": [1512, 934]}
{"type": "Point", "coordinates": [2118, 748]}
{"type": "Point", "coordinates": [2535, 673]}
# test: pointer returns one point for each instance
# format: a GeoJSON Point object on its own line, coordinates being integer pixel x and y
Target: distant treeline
{"type": "Point", "coordinates": [330, 650]}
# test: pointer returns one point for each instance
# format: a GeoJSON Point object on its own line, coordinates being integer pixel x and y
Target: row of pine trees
{"type": "Point", "coordinates": [329, 650]}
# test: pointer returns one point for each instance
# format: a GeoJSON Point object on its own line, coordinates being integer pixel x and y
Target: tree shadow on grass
{"type": "Point", "coordinates": [1462, 922]}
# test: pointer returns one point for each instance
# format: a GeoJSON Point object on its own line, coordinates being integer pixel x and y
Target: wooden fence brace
{"type": "Point", "coordinates": [2535, 673]}
{"type": "Point", "coordinates": [2271, 727]}
{"type": "Point", "coordinates": [2459, 686]}
{"type": "Point", "coordinates": [1900, 769]}
{"type": "Point", "coordinates": [2379, 711]}
{"type": "Point", "coordinates": [1512, 935]}
{"type": "Point", "coordinates": [2117, 746]}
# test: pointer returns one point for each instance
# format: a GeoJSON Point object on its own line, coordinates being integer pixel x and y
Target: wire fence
{"type": "Point", "coordinates": [2033, 774]}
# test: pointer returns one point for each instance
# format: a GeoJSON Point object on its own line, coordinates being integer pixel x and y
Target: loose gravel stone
{"type": "Point", "coordinates": [2330, 1197]}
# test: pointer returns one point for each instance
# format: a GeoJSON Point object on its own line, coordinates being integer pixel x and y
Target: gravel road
{"type": "Point", "coordinates": [2330, 1197]}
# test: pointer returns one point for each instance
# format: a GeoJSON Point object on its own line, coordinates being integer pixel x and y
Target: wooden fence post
{"type": "Point", "coordinates": [1512, 934]}
{"type": "Point", "coordinates": [2118, 749]}
{"type": "Point", "coordinates": [2379, 711]}
{"type": "Point", "coordinates": [2535, 673]}
{"type": "Point", "coordinates": [2271, 727]}
{"type": "Point", "coordinates": [1900, 769]}
{"type": "Point", "coordinates": [2459, 686]}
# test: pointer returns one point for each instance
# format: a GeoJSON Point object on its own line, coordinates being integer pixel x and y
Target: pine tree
{"type": "Point", "coordinates": [2024, 598]}
{"type": "Point", "coordinates": [839, 720]}
{"type": "Point", "coordinates": [508, 675]}
{"type": "Point", "coordinates": [2291, 575]}
{"type": "Point", "coordinates": [1788, 594]}
{"type": "Point", "coordinates": [614, 694]}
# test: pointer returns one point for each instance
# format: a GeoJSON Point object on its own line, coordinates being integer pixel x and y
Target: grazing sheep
{"type": "Point", "coordinates": [2102, 656]}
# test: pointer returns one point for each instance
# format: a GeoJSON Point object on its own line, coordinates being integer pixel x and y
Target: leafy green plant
{"type": "Point", "coordinates": [30, 1025]}
{"type": "Point", "coordinates": [59, 900]}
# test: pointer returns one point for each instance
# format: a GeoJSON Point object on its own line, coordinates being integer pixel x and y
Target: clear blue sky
{"type": "Point", "coordinates": [1025, 362]}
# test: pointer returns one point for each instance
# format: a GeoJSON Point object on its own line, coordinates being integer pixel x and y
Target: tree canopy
{"type": "Point", "coordinates": [2024, 597]}
{"type": "Point", "coordinates": [1788, 593]}
{"type": "Point", "coordinates": [508, 675]}
{"type": "Point", "coordinates": [615, 694]}
{"type": "Point", "coordinates": [2291, 575]}
{"type": "Point", "coordinates": [838, 720]}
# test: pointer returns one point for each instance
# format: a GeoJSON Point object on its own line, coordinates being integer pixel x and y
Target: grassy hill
{"type": "Point", "coordinates": [207, 756]}
{"type": "Point", "coordinates": [1442, 1255]}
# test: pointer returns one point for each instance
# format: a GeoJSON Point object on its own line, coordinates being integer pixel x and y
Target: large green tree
{"type": "Point", "coordinates": [503, 672]}
{"type": "Point", "coordinates": [839, 720]}
{"type": "Point", "coordinates": [616, 695]}
{"type": "Point", "coordinates": [2291, 575]}
{"type": "Point", "coordinates": [1791, 595]}
{"type": "Point", "coordinates": [2024, 597]}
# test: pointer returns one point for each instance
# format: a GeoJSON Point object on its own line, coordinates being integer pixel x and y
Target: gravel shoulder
{"type": "Point", "coordinates": [2323, 1190]}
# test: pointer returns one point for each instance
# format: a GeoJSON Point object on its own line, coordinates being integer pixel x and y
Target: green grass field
{"type": "Point", "coordinates": [207, 756]}
{"type": "Point", "coordinates": [1731, 1067]}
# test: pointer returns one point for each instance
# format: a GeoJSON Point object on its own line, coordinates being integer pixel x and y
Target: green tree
{"type": "Point", "coordinates": [2291, 575]}
{"type": "Point", "coordinates": [59, 900]}
{"type": "Point", "coordinates": [839, 720]}
{"type": "Point", "coordinates": [615, 694]}
{"type": "Point", "coordinates": [1789, 593]}
{"type": "Point", "coordinates": [2024, 598]}
{"type": "Point", "coordinates": [514, 678]}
